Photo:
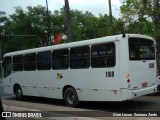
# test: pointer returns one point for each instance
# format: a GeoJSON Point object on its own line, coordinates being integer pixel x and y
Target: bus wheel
{"type": "Point", "coordinates": [18, 93]}
{"type": "Point", "coordinates": [70, 97]}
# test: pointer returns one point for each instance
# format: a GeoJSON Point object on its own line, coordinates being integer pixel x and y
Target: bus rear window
{"type": "Point", "coordinates": [141, 49]}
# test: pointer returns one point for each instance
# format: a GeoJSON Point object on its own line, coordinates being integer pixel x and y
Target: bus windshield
{"type": "Point", "coordinates": [141, 49]}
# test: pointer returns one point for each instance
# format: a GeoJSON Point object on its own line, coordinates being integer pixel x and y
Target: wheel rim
{"type": "Point", "coordinates": [71, 98]}
{"type": "Point", "coordinates": [18, 93]}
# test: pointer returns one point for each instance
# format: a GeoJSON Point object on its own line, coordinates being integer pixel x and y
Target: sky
{"type": "Point", "coordinates": [93, 6]}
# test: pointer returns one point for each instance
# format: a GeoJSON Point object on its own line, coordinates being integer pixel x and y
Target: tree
{"type": "Point", "coordinates": [38, 18]}
{"type": "Point", "coordinates": [30, 22]}
{"type": "Point", "coordinates": [105, 28]}
{"type": "Point", "coordinates": [84, 25]}
{"type": "Point", "coordinates": [156, 16]}
{"type": "Point", "coordinates": [33, 21]}
{"type": "Point", "coordinates": [137, 15]}
{"type": "Point", "coordinates": [68, 21]}
{"type": "Point", "coordinates": [3, 20]}
{"type": "Point", "coordinates": [110, 11]}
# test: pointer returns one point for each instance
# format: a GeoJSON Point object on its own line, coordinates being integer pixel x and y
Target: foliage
{"type": "Point", "coordinates": [33, 21]}
{"type": "Point", "coordinates": [138, 16]}
{"type": "Point", "coordinates": [3, 20]}
{"type": "Point", "coordinates": [132, 10]}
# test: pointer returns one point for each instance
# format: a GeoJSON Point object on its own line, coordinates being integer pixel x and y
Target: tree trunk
{"type": "Point", "coordinates": [155, 14]}
{"type": "Point", "coordinates": [156, 32]}
{"type": "Point", "coordinates": [110, 11]}
{"type": "Point", "coordinates": [49, 26]}
{"type": "Point", "coordinates": [68, 21]}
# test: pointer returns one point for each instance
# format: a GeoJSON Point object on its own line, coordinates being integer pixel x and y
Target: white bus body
{"type": "Point", "coordinates": [129, 74]}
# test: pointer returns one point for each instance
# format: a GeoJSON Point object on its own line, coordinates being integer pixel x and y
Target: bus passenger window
{"type": "Point", "coordinates": [30, 61]}
{"type": "Point", "coordinates": [44, 60]}
{"type": "Point", "coordinates": [80, 57]}
{"type": "Point", "coordinates": [7, 66]}
{"type": "Point", "coordinates": [103, 55]}
{"type": "Point", "coordinates": [60, 59]}
{"type": "Point", "coordinates": [18, 63]}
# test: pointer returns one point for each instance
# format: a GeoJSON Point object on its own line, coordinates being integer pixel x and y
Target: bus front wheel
{"type": "Point", "coordinates": [18, 92]}
{"type": "Point", "coordinates": [70, 97]}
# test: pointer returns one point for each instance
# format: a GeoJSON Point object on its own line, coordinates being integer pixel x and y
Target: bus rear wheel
{"type": "Point", "coordinates": [70, 97]}
{"type": "Point", "coordinates": [18, 93]}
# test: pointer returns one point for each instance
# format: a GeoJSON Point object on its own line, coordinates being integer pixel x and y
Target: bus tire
{"type": "Point", "coordinates": [18, 93]}
{"type": "Point", "coordinates": [70, 97]}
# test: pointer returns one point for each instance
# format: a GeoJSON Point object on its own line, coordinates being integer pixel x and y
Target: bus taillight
{"type": "Point", "coordinates": [127, 75]}
{"type": "Point", "coordinates": [128, 81]}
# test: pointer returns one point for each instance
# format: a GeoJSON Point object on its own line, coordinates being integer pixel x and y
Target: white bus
{"type": "Point", "coordinates": [112, 68]}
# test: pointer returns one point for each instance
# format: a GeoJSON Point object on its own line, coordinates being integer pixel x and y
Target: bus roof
{"type": "Point", "coordinates": [76, 44]}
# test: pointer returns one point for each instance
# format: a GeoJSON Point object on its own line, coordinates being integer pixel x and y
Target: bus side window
{"type": "Point", "coordinates": [60, 59]}
{"type": "Point", "coordinates": [44, 60]}
{"type": "Point", "coordinates": [7, 64]}
{"type": "Point", "coordinates": [103, 55]}
{"type": "Point", "coordinates": [30, 61]}
{"type": "Point", "coordinates": [18, 63]}
{"type": "Point", "coordinates": [80, 57]}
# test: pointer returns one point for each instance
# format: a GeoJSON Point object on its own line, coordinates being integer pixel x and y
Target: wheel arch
{"type": "Point", "coordinates": [65, 87]}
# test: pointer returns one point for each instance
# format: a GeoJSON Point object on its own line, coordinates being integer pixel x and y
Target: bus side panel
{"type": "Point", "coordinates": [38, 83]}
{"type": "Point", "coordinates": [96, 84]}
{"type": "Point", "coordinates": [7, 85]}
{"type": "Point", "coordinates": [92, 84]}
{"type": "Point", "coordinates": [99, 95]}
